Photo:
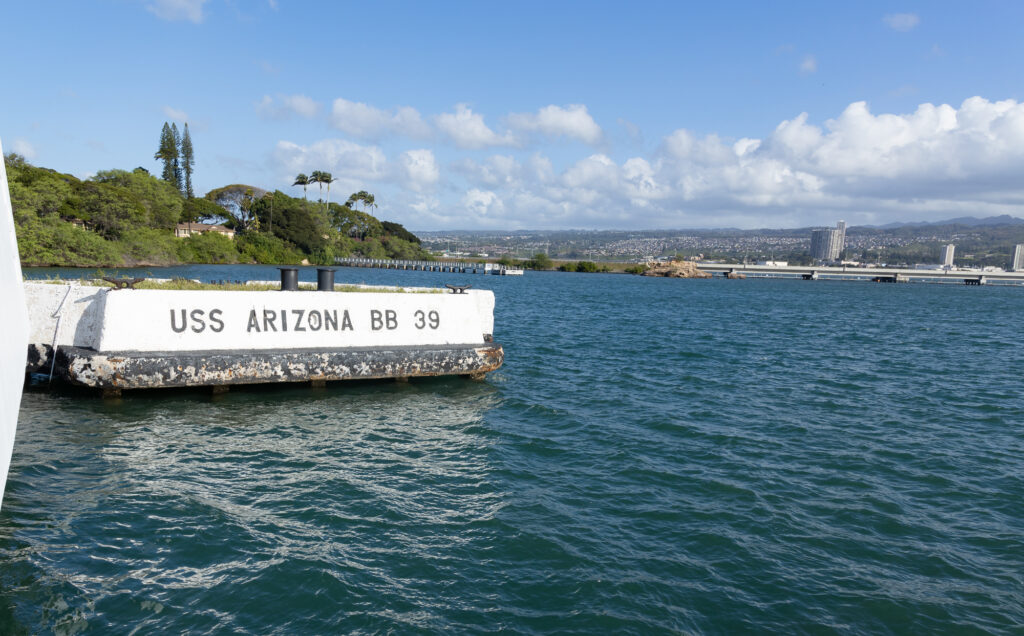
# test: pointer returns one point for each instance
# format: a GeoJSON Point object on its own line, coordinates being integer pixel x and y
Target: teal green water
{"type": "Point", "coordinates": [656, 456]}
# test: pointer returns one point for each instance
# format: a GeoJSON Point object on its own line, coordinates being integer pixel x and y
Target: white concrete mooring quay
{"type": "Point", "coordinates": [113, 339]}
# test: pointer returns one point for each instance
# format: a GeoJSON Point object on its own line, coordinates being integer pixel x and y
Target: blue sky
{"type": "Point", "coordinates": [531, 115]}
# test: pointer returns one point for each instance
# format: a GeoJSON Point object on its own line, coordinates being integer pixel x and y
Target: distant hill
{"type": "Point", "coordinates": [969, 221]}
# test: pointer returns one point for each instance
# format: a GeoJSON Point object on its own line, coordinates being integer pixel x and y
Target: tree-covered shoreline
{"type": "Point", "coordinates": [121, 218]}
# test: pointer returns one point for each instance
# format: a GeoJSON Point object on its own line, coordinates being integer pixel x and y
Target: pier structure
{"type": "Point", "coordinates": [454, 267]}
{"type": "Point", "coordinates": [875, 274]}
{"type": "Point", "coordinates": [125, 338]}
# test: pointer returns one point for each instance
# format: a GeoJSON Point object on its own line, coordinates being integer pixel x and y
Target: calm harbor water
{"type": "Point", "coordinates": [656, 456]}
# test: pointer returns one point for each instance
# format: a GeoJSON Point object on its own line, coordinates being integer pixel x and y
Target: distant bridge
{"type": "Point", "coordinates": [878, 274]}
{"type": "Point", "coordinates": [457, 267]}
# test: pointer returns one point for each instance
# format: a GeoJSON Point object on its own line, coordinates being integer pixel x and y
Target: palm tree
{"type": "Point", "coordinates": [365, 197]}
{"type": "Point", "coordinates": [325, 177]}
{"type": "Point", "coordinates": [302, 180]}
{"type": "Point", "coordinates": [269, 196]}
{"type": "Point", "coordinates": [317, 177]}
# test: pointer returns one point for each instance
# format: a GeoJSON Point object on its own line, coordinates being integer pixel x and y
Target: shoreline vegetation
{"type": "Point", "coordinates": [118, 218]}
{"type": "Point", "coordinates": [188, 284]}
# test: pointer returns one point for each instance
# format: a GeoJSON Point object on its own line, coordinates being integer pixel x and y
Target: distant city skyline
{"type": "Point", "coordinates": [533, 115]}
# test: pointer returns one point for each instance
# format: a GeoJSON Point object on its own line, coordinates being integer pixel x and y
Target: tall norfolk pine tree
{"type": "Point", "coordinates": [167, 153]}
{"type": "Point", "coordinates": [187, 161]}
{"type": "Point", "coordinates": [175, 152]}
{"type": "Point", "coordinates": [177, 165]}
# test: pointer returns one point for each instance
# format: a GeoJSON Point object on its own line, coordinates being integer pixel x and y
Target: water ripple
{"type": "Point", "coordinates": [655, 457]}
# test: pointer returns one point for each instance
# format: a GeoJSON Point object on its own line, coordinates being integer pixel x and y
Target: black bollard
{"type": "Point", "coordinates": [289, 278]}
{"type": "Point", "coordinates": [324, 279]}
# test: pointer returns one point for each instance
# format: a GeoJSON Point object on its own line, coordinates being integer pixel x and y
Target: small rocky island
{"type": "Point", "coordinates": [675, 269]}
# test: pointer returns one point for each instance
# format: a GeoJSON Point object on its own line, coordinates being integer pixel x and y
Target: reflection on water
{"type": "Point", "coordinates": [655, 456]}
{"type": "Point", "coordinates": [181, 491]}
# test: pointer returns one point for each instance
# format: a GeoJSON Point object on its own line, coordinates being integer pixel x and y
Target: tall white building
{"type": "Point", "coordinates": [1017, 264]}
{"type": "Point", "coordinates": [947, 255]}
{"type": "Point", "coordinates": [828, 244]}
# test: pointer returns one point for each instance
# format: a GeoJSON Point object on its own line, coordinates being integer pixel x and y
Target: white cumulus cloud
{"type": "Point", "coordinates": [420, 168]}
{"type": "Point", "coordinates": [572, 121]}
{"type": "Point", "coordinates": [369, 122]}
{"type": "Point", "coordinates": [352, 164]}
{"type": "Point", "coordinates": [901, 21]}
{"type": "Point", "coordinates": [175, 114]}
{"type": "Point", "coordinates": [483, 202]}
{"type": "Point", "coordinates": [497, 170]}
{"type": "Point", "coordinates": [284, 106]}
{"type": "Point", "coordinates": [191, 10]}
{"type": "Point", "coordinates": [468, 130]}
{"type": "Point", "coordinates": [809, 65]}
{"type": "Point", "coordinates": [935, 161]}
{"type": "Point", "coordinates": [24, 148]}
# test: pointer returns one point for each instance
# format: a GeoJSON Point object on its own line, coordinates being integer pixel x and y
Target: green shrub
{"type": "Point", "coordinates": [540, 260]}
{"type": "Point", "coordinates": [267, 249]}
{"type": "Point", "coordinates": [161, 201]}
{"type": "Point", "coordinates": [371, 248]}
{"type": "Point", "coordinates": [149, 246]}
{"type": "Point", "coordinates": [588, 267]}
{"type": "Point", "coordinates": [403, 249]}
{"type": "Point", "coordinates": [52, 242]}
{"type": "Point", "coordinates": [209, 247]}
{"type": "Point", "coordinates": [396, 230]}
{"type": "Point", "coordinates": [323, 256]}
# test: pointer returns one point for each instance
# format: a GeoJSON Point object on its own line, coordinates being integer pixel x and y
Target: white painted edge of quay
{"type": "Point", "coordinates": [13, 326]}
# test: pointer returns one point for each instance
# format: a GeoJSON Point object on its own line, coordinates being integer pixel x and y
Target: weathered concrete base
{"type": "Point", "coordinates": [39, 358]}
{"type": "Point", "coordinates": [146, 370]}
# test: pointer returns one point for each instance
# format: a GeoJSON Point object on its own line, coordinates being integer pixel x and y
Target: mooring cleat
{"type": "Point", "coordinates": [123, 283]}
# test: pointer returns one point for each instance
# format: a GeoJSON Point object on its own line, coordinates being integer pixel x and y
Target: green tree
{"type": "Point", "coordinates": [162, 202]}
{"type": "Point", "coordinates": [396, 230]}
{"type": "Point", "coordinates": [109, 209]}
{"type": "Point", "coordinates": [267, 249]}
{"type": "Point", "coordinates": [302, 180]}
{"type": "Point", "coordinates": [237, 201]}
{"type": "Point", "coordinates": [39, 192]}
{"type": "Point", "coordinates": [582, 266]}
{"type": "Point", "coordinates": [195, 210]}
{"type": "Point", "coordinates": [325, 177]}
{"type": "Point", "coordinates": [187, 161]}
{"type": "Point", "coordinates": [292, 220]}
{"type": "Point", "coordinates": [176, 155]}
{"type": "Point", "coordinates": [353, 223]}
{"type": "Point", "coordinates": [208, 247]}
{"type": "Point", "coordinates": [167, 153]}
{"type": "Point", "coordinates": [364, 197]}
{"type": "Point", "coordinates": [371, 248]}
{"type": "Point", "coordinates": [148, 246]}
{"type": "Point", "coordinates": [401, 249]}
{"type": "Point", "coordinates": [317, 177]}
{"type": "Point", "coordinates": [52, 242]}
{"type": "Point", "coordinates": [540, 260]}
